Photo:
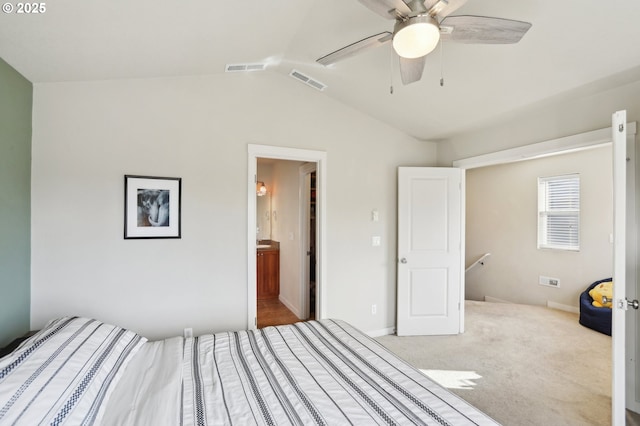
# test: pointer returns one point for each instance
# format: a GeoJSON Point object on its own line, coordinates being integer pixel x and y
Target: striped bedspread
{"type": "Point", "coordinates": [319, 372]}
{"type": "Point", "coordinates": [65, 373]}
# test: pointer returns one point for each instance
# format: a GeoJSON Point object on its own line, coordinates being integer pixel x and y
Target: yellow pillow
{"type": "Point", "coordinates": [602, 289]}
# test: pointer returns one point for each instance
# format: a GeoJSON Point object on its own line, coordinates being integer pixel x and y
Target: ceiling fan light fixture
{"type": "Point", "coordinates": [416, 36]}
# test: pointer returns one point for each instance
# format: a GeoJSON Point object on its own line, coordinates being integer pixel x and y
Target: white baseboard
{"type": "Point", "coordinates": [561, 307]}
{"type": "Point", "coordinates": [290, 306]}
{"type": "Point", "coordinates": [383, 332]}
{"type": "Point", "coordinates": [495, 300]}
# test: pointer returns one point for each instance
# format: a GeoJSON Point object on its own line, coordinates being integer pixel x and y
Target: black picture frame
{"type": "Point", "coordinates": [152, 207]}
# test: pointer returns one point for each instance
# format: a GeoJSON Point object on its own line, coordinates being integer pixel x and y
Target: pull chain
{"type": "Point", "coordinates": [441, 65]}
{"type": "Point", "coordinates": [391, 71]}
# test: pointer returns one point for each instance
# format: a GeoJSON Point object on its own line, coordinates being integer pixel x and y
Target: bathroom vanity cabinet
{"type": "Point", "coordinates": [268, 271]}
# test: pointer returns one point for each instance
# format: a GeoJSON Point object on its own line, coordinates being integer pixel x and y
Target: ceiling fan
{"type": "Point", "coordinates": [421, 24]}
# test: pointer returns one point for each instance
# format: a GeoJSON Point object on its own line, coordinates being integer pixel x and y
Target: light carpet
{"type": "Point", "coordinates": [520, 364]}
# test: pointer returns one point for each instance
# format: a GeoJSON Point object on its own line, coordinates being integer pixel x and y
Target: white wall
{"type": "Point", "coordinates": [502, 202]}
{"type": "Point", "coordinates": [578, 111]}
{"type": "Point", "coordinates": [88, 135]}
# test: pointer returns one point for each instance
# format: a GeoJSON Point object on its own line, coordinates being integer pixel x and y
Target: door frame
{"type": "Point", "coordinates": [254, 152]}
{"type": "Point", "coordinates": [578, 142]}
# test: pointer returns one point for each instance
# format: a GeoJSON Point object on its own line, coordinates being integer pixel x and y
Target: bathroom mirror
{"type": "Point", "coordinates": [263, 217]}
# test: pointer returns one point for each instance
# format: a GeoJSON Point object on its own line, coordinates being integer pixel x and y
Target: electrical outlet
{"type": "Point", "coordinates": [375, 241]}
{"type": "Point", "coordinates": [374, 309]}
{"type": "Point", "coordinates": [188, 332]}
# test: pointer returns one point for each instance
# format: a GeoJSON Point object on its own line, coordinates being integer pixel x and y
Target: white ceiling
{"type": "Point", "coordinates": [571, 43]}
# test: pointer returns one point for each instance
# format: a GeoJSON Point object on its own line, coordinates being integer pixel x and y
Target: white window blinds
{"type": "Point", "coordinates": [559, 212]}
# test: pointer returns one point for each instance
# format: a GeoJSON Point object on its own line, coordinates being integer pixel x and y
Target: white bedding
{"type": "Point", "coordinates": [318, 372]}
{"type": "Point", "coordinates": [65, 373]}
{"type": "Point", "coordinates": [150, 392]}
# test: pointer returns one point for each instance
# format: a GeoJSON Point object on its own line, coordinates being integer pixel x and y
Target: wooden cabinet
{"type": "Point", "coordinates": [268, 273]}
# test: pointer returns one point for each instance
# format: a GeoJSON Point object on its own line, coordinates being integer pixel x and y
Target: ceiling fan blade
{"type": "Point", "coordinates": [390, 9]}
{"type": "Point", "coordinates": [411, 69]}
{"type": "Point", "coordinates": [443, 8]}
{"type": "Point", "coordinates": [482, 30]}
{"type": "Point", "coordinates": [355, 48]}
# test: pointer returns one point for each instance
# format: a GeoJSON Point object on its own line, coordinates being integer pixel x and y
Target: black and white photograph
{"type": "Point", "coordinates": [152, 207]}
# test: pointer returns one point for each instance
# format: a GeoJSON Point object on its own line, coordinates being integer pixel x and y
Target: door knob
{"type": "Point", "coordinates": [403, 260]}
{"type": "Point", "coordinates": [631, 303]}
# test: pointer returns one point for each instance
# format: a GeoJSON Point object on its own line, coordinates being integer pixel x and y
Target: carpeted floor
{"type": "Point", "coordinates": [520, 364]}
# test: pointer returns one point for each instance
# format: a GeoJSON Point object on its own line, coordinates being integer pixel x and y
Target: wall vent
{"type": "Point", "coordinates": [307, 80]}
{"type": "Point", "coordinates": [549, 281]}
{"type": "Point", "coordinates": [245, 67]}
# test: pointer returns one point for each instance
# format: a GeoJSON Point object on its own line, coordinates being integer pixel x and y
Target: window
{"type": "Point", "coordinates": [559, 212]}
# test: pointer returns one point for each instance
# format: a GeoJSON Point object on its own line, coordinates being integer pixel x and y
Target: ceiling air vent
{"type": "Point", "coordinates": [245, 67]}
{"type": "Point", "coordinates": [307, 80]}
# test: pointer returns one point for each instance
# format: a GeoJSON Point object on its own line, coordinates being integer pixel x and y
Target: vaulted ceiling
{"type": "Point", "coordinates": [572, 43]}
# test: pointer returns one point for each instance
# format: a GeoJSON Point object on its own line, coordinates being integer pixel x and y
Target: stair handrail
{"type": "Point", "coordinates": [479, 262]}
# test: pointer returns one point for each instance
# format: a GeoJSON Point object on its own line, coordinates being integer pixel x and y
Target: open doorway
{"type": "Point", "coordinates": [295, 183]}
{"type": "Point", "coordinates": [503, 221]}
{"type": "Point", "coordinates": [285, 238]}
{"type": "Point", "coordinates": [311, 232]}
{"type": "Point", "coordinates": [307, 181]}
{"type": "Point", "coordinates": [578, 142]}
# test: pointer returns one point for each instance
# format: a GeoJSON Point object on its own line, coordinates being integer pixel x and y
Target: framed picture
{"type": "Point", "coordinates": [152, 207]}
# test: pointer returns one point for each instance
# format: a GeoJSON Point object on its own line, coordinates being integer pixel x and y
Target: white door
{"type": "Point", "coordinates": [623, 275]}
{"type": "Point", "coordinates": [430, 250]}
{"type": "Point", "coordinates": [632, 333]}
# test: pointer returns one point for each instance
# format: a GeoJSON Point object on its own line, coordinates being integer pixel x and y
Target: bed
{"type": "Point", "coordinates": [80, 371]}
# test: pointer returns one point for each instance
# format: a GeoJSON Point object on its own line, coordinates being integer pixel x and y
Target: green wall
{"type": "Point", "coordinates": [16, 94]}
